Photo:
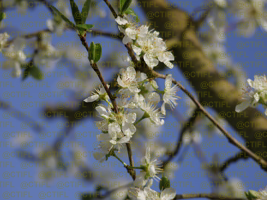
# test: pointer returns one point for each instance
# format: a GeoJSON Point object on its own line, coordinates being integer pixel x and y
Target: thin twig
{"type": "Point", "coordinates": [230, 138]}
{"type": "Point", "coordinates": [128, 145]}
{"type": "Point", "coordinates": [141, 66]}
{"type": "Point", "coordinates": [233, 159]}
{"type": "Point", "coordinates": [209, 196]}
{"type": "Point", "coordinates": [111, 9]}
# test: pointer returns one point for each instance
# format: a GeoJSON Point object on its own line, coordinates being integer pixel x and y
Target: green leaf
{"type": "Point", "coordinates": [164, 183]}
{"type": "Point", "coordinates": [251, 194]}
{"type": "Point", "coordinates": [124, 5]}
{"type": "Point", "coordinates": [95, 52]}
{"type": "Point", "coordinates": [36, 73]}
{"type": "Point", "coordinates": [32, 70]}
{"type": "Point", "coordinates": [92, 52]}
{"type": "Point", "coordinates": [57, 12]}
{"type": "Point", "coordinates": [85, 10]}
{"type": "Point", "coordinates": [130, 11]}
{"type": "Point", "coordinates": [84, 26]}
{"type": "Point", "coordinates": [98, 52]}
{"type": "Point", "coordinates": [75, 12]}
{"type": "Point", "coordinates": [2, 16]}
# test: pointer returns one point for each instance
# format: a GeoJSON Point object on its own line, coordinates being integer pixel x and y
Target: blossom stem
{"type": "Point", "coordinates": [114, 155]}
{"type": "Point", "coordinates": [143, 117]}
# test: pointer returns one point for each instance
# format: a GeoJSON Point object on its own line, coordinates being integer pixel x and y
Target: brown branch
{"type": "Point", "coordinates": [230, 138]}
{"type": "Point", "coordinates": [208, 196]}
{"type": "Point", "coordinates": [111, 9]}
{"type": "Point", "coordinates": [233, 159]}
{"type": "Point", "coordinates": [128, 145]}
{"type": "Point", "coordinates": [141, 66]}
{"type": "Point", "coordinates": [115, 107]}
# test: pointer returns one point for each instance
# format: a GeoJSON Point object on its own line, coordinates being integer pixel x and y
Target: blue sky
{"type": "Point", "coordinates": [31, 91]}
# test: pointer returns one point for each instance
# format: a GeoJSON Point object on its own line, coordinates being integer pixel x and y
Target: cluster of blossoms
{"type": "Point", "coordinates": [136, 95]}
{"type": "Point", "coordinates": [252, 14]}
{"type": "Point", "coordinates": [135, 92]}
{"type": "Point", "coordinates": [260, 195]}
{"type": "Point", "coordinates": [145, 43]}
{"type": "Point", "coordinates": [255, 94]}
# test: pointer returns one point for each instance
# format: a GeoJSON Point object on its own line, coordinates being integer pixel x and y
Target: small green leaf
{"type": "Point", "coordinates": [98, 52]}
{"type": "Point", "coordinates": [84, 26]}
{"type": "Point", "coordinates": [252, 194]}
{"type": "Point", "coordinates": [164, 183]}
{"type": "Point", "coordinates": [85, 10]}
{"type": "Point", "coordinates": [75, 12]}
{"type": "Point", "coordinates": [57, 12]}
{"type": "Point", "coordinates": [95, 52]}
{"type": "Point", "coordinates": [32, 70]}
{"type": "Point", "coordinates": [124, 5]}
{"type": "Point", "coordinates": [36, 73]}
{"type": "Point", "coordinates": [92, 52]}
{"type": "Point", "coordinates": [2, 16]}
{"type": "Point", "coordinates": [130, 11]}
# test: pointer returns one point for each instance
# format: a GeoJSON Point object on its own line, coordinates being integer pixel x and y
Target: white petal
{"type": "Point", "coordinates": [168, 81]}
{"type": "Point", "coordinates": [130, 118]}
{"type": "Point", "coordinates": [121, 21]}
{"type": "Point", "coordinates": [136, 50]}
{"type": "Point", "coordinates": [150, 60]}
{"type": "Point", "coordinates": [168, 64]}
{"type": "Point", "coordinates": [17, 70]}
{"type": "Point", "coordinates": [91, 98]}
{"type": "Point", "coordinates": [125, 139]}
{"type": "Point", "coordinates": [148, 154]}
{"type": "Point", "coordinates": [168, 194]}
{"type": "Point", "coordinates": [153, 97]}
{"type": "Point", "coordinates": [242, 106]}
{"type": "Point", "coordinates": [163, 110]}
{"type": "Point", "coordinates": [126, 39]}
{"type": "Point", "coordinates": [102, 111]}
{"type": "Point", "coordinates": [120, 82]}
{"type": "Point", "coordinates": [128, 129]}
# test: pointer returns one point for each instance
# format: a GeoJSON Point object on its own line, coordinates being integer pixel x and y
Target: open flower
{"type": "Point", "coordinates": [150, 169]}
{"type": "Point", "coordinates": [99, 94]}
{"type": "Point", "coordinates": [254, 94]}
{"type": "Point", "coordinates": [15, 56]}
{"type": "Point", "coordinates": [252, 14]}
{"type": "Point", "coordinates": [3, 39]}
{"type": "Point", "coordinates": [169, 96]}
{"type": "Point", "coordinates": [152, 112]}
{"type": "Point", "coordinates": [127, 80]}
{"type": "Point", "coordinates": [46, 52]}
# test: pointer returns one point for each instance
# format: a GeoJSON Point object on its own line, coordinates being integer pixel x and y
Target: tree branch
{"type": "Point", "coordinates": [208, 196]}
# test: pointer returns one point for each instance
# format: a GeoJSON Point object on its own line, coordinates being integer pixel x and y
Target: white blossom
{"type": "Point", "coordinates": [151, 169]}
{"type": "Point", "coordinates": [152, 112]}
{"type": "Point", "coordinates": [99, 94]}
{"type": "Point", "coordinates": [3, 39]}
{"type": "Point", "coordinates": [46, 51]}
{"type": "Point", "coordinates": [254, 94]}
{"type": "Point", "coordinates": [252, 14]}
{"type": "Point", "coordinates": [127, 80]}
{"type": "Point", "coordinates": [15, 56]}
{"type": "Point", "coordinates": [169, 96]}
